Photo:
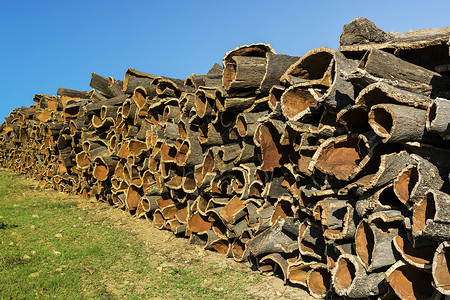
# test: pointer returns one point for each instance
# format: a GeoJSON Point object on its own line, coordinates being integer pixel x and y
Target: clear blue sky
{"type": "Point", "coordinates": [51, 44]}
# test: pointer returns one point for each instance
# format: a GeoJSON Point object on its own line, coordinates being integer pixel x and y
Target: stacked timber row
{"type": "Point", "coordinates": [330, 169]}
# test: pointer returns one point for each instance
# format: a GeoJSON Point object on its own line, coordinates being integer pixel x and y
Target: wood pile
{"type": "Point", "coordinates": [330, 170]}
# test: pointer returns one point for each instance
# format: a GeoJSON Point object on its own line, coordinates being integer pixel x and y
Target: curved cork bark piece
{"type": "Point", "coordinates": [420, 257]}
{"type": "Point", "coordinates": [312, 68]}
{"type": "Point", "coordinates": [279, 261]}
{"type": "Point", "coordinates": [428, 215]}
{"type": "Point", "coordinates": [440, 202]}
{"type": "Point", "coordinates": [342, 157]}
{"type": "Point", "coordinates": [205, 101]}
{"type": "Point", "coordinates": [244, 68]}
{"type": "Point", "coordinates": [342, 92]}
{"type": "Point", "coordinates": [363, 31]}
{"type": "Point", "coordinates": [272, 152]}
{"type": "Point", "coordinates": [277, 65]}
{"type": "Point", "coordinates": [441, 267]}
{"type": "Point", "coordinates": [438, 117]}
{"type": "Point", "coordinates": [377, 65]}
{"type": "Point", "coordinates": [350, 279]}
{"type": "Point", "coordinates": [189, 153]}
{"type": "Point", "coordinates": [256, 50]}
{"type": "Point", "coordinates": [413, 182]}
{"type": "Point", "coordinates": [380, 92]}
{"type": "Point", "coordinates": [274, 100]}
{"type": "Point", "coordinates": [388, 169]}
{"type": "Point", "coordinates": [212, 134]}
{"type": "Point", "coordinates": [318, 281]}
{"type": "Point", "coordinates": [393, 122]}
{"type": "Point", "coordinates": [239, 249]}
{"type": "Point", "coordinates": [354, 118]}
{"type": "Point", "coordinates": [270, 240]}
{"type": "Point", "coordinates": [409, 282]}
{"type": "Point", "coordinates": [374, 245]}
{"type": "Point", "coordinates": [425, 47]}
{"type": "Point", "coordinates": [311, 242]}
{"type": "Point", "coordinates": [229, 104]}
{"type": "Point", "coordinates": [298, 271]}
{"type": "Point", "coordinates": [198, 223]}
{"type": "Point", "coordinates": [134, 78]}
{"type": "Point", "coordinates": [246, 123]}
{"type": "Point", "coordinates": [298, 101]}
{"type": "Point", "coordinates": [217, 243]}
{"type": "Point", "coordinates": [104, 167]}
{"type": "Point", "coordinates": [336, 216]}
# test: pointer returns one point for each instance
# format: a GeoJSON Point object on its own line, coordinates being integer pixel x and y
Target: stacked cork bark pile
{"type": "Point", "coordinates": [330, 170]}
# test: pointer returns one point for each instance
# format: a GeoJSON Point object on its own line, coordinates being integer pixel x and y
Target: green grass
{"type": "Point", "coordinates": [51, 249]}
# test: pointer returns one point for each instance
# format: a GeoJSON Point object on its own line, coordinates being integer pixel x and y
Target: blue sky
{"type": "Point", "coordinates": [51, 44]}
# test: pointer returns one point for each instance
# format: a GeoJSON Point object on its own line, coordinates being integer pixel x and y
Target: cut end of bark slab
{"type": "Point", "coordinates": [343, 157]}
{"type": "Point", "coordinates": [441, 268]}
{"type": "Point", "coordinates": [420, 257]}
{"type": "Point", "coordinates": [344, 273]}
{"type": "Point", "coordinates": [382, 121]}
{"type": "Point", "coordinates": [295, 102]}
{"type": "Point", "coordinates": [405, 182]}
{"type": "Point", "coordinates": [364, 241]}
{"type": "Point", "coordinates": [311, 66]}
{"type": "Point", "coordinates": [409, 282]}
{"type": "Point", "coordinates": [319, 281]}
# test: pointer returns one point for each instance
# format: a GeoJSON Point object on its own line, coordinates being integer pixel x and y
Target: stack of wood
{"type": "Point", "coordinates": [329, 169]}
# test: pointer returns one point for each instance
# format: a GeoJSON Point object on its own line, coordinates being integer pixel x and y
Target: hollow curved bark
{"type": "Point", "coordinates": [438, 118]}
{"type": "Point", "coordinates": [342, 157]}
{"type": "Point", "coordinates": [374, 245]}
{"type": "Point", "coordinates": [420, 257]}
{"type": "Point", "coordinates": [416, 179]}
{"type": "Point", "coordinates": [393, 122]}
{"type": "Point", "coordinates": [380, 92]}
{"type": "Point", "coordinates": [311, 68]}
{"type": "Point", "coordinates": [350, 279]}
{"type": "Point", "coordinates": [441, 267]}
{"type": "Point", "coordinates": [409, 282]}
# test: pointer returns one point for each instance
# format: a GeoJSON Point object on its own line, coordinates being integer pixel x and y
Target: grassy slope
{"type": "Point", "coordinates": [49, 248]}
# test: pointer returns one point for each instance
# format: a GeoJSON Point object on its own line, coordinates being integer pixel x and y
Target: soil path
{"type": "Point", "coordinates": [177, 251]}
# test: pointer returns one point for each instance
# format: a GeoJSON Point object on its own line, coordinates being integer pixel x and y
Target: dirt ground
{"type": "Point", "coordinates": [176, 252]}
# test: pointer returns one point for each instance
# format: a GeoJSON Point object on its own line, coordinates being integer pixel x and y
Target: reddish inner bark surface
{"type": "Point", "coordinates": [235, 205]}
{"type": "Point", "coordinates": [420, 255]}
{"type": "Point", "coordinates": [197, 224]}
{"type": "Point", "coordinates": [409, 282]}
{"type": "Point", "coordinates": [270, 148]}
{"type": "Point", "coordinates": [221, 246]}
{"type": "Point", "coordinates": [238, 249]}
{"type": "Point", "coordinates": [229, 74]}
{"type": "Point", "coordinates": [382, 121]}
{"type": "Point", "coordinates": [405, 183]}
{"type": "Point", "coordinates": [345, 273]}
{"type": "Point", "coordinates": [313, 66]}
{"type": "Point", "coordinates": [442, 271]}
{"type": "Point", "coordinates": [341, 159]}
{"type": "Point", "coordinates": [319, 281]}
{"type": "Point", "coordinates": [297, 100]}
{"type": "Point", "coordinates": [200, 103]}
{"type": "Point", "coordinates": [189, 182]}
{"type": "Point", "coordinates": [100, 172]}
{"type": "Point", "coordinates": [364, 243]}
{"type": "Point", "coordinates": [158, 219]}
{"type": "Point", "coordinates": [133, 197]}
{"type": "Point", "coordinates": [298, 273]}
{"type": "Point", "coordinates": [139, 97]}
